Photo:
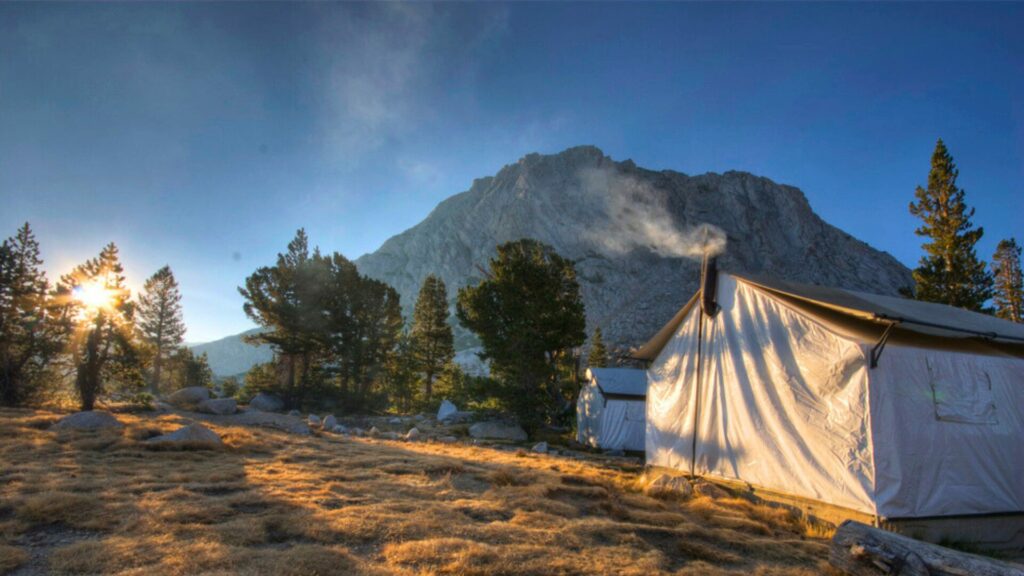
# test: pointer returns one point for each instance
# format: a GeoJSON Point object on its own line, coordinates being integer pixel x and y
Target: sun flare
{"type": "Point", "coordinates": [94, 296]}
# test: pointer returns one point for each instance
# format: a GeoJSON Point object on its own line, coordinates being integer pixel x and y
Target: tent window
{"type": "Point", "coordinates": [962, 394]}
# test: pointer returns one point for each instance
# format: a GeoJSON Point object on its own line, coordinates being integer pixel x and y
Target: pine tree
{"type": "Point", "coordinates": [285, 300]}
{"type": "Point", "coordinates": [598, 357]}
{"type": "Point", "coordinates": [529, 315]}
{"type": "Point", "coordinates": [96, 291]}
{"type": "Point", "coordinates": [31, 334]}
{"type": "Point", "coordinates": [1009, 284]}
{"type": "Point", "coordinates": [160, 321]}
{"type": "Point", "coordinates": [433, 342]}
{"type": "Point", "coordinates": [400, 376]}
{"type": "Point", "coordinates": [950, 272]}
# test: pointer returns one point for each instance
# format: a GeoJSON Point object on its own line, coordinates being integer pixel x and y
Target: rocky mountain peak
{"type": "Point", "coordinates": [630, 231]}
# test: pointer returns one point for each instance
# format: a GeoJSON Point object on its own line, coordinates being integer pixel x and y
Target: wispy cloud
{"type": "Point", "coordinates": [382, 63]}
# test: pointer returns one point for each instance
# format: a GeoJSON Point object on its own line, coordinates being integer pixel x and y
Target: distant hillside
{"type": "Point", "coordinates": [232, 355]}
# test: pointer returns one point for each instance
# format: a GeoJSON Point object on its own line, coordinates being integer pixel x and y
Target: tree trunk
{"type": "Point", "coordinates": [89, 371]}
{"type": "Point", "coordinates": [860, 550]}
{"type": "Point", "coordinates": [154, 386]}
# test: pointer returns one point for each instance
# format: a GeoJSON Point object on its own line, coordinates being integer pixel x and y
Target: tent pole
{"type": "Point", "coordinates": [876, 352]}
{"type": "Point", "coordinates": [698, 378]}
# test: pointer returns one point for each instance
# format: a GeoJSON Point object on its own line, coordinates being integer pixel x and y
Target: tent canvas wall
{"type": "Point", "coordinates": [777, 390]}
{"type": "Point", "coordinates": [610, 409]}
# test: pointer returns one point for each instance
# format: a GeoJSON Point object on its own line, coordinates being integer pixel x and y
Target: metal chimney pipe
{"type": "Point", "coordinates": [709, 285]}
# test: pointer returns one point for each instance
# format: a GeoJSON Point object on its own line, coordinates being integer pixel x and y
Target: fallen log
{"type": "Point", "coordinates": [860, 550]}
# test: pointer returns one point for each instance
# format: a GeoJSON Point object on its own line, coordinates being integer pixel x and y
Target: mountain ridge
{"type": "Point", "coordinates": [627, 229]}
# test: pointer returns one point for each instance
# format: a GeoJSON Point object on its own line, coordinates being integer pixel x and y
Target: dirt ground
{"type": "Point", "coordinates": [276, 503]}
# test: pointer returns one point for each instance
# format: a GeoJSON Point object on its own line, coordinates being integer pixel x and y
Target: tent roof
{"type": "Point", "coordinates": [921, 317]}
{"type": "Point", "coordinates": [620, 381]}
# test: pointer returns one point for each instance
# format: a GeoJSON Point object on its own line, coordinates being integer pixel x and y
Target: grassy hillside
{"type": "Point", "coordinates": [272, 503]}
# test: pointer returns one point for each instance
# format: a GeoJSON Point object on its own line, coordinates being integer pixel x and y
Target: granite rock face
{"type": "Point", "coordinates": [593, 210]}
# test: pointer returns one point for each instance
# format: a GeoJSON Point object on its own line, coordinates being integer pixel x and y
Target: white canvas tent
{"type": "Point", "coordinates": [610, 409]}
{"type": "Point", "coordinates": [777, 390]}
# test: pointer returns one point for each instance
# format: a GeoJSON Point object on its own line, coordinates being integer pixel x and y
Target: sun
{"type": "Point", "coordinates": [94, 296]}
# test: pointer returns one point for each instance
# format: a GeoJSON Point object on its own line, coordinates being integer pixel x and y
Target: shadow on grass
{"type": "Point", "coordinates": [273, 503]}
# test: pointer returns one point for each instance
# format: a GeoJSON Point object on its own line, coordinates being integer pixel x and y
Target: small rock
{"type": "Point", "coordinates": [295, 413]}
{"type": "Point", "coordinates": [189, 398]}
{"type": "Point", "coordinates": [420, 417]}
{"type": "Point", "coordinates": [330, 422]}
{"type": "Point", "coordinates": [540, 447]}
{"type": "Point", "coordinates": [314, 421]}
{"type": "Point", "coordinates": [391, 436]}
{"type": "Point", "coordinates": [498, 431]}
{"type": "Point", "coordinates": [448, 439]}
{"type": "Point", "coordinates": [667, 486]}
{"type": "Point", "coordinates": [413, 434]}
{"type": "Point", "coordinates": [709, 490]}
{"type": "Point", "coordinates": [339, 429]}
{"type": "Point", "coordinates": [395, 421]}
{"type": "Point", "coordinates": [90, 420]}
{"type": "Point", "coordinates": [374, 432]}
{"type": "Point", "coordinates": [192, 435]}
{"type": "Point", "coordinates": [220, 406]}
{"type": "Point", "coordinates": [266, 402]}
{"type": "Point", "coordinates": [447, 409]}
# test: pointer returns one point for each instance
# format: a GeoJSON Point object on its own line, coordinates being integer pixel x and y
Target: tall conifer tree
{"type": "Point", "coordinates": [598, 357]}
{"type": "Point", "coordinates": [529, 315]}
{"type": "Point", "coordinates": [160, 320]}
{"type": "Point", "coordinates": [950, 271]}
{"type": "Point", "coordinates": [30, 331]}
{"type": "Point", "coordinates": [433, 342]}
{"type": "Point", "coordinates": [1009, 284]}
{"type": "Point", "coordinates": [96, 289]}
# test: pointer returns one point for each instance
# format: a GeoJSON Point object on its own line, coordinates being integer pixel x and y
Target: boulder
{"type": "Point", "coordinates": [668, 486]}
{"type": "Point", "coordinates": [314, 421]}
{"type": "Point", "coordinates": [330, 422]}
{"type": "Point", "coordinates": [446, 410]}
{"type": "Point", "coordinates": [540, 447]}
{"type": "Point", "coordinates": [266, 403]}
{"type": "Point", "coordinates": [498, 431]}
{"type": "Point", "coordinates": [191, 435]}
{"type": "Point", "coordinates": [218, 406]}
{"type": "Point", "coordinates": [189, 398]}
{"type": "Point", "coordinates": [709, 490]}
{"type": "Point", "coordinates": [284, 422]}
{"type": "Point", "coordinates": [90, 420]}
{"type": "Point", "coordinates": [413, 434]}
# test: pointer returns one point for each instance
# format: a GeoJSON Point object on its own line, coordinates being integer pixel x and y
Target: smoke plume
{"type": "Point", "coordinates": [638, 217]}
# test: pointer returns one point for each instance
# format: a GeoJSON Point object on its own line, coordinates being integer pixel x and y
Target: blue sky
{"type": "Point", "coordinates": [202, 135]}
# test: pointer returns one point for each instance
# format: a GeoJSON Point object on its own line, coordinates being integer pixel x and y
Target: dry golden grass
{"type": "Point", "coordinates": [270, 503]}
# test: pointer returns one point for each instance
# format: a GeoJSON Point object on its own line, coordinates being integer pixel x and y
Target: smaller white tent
{"type": "Point", "coordinates": [610, 409]}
